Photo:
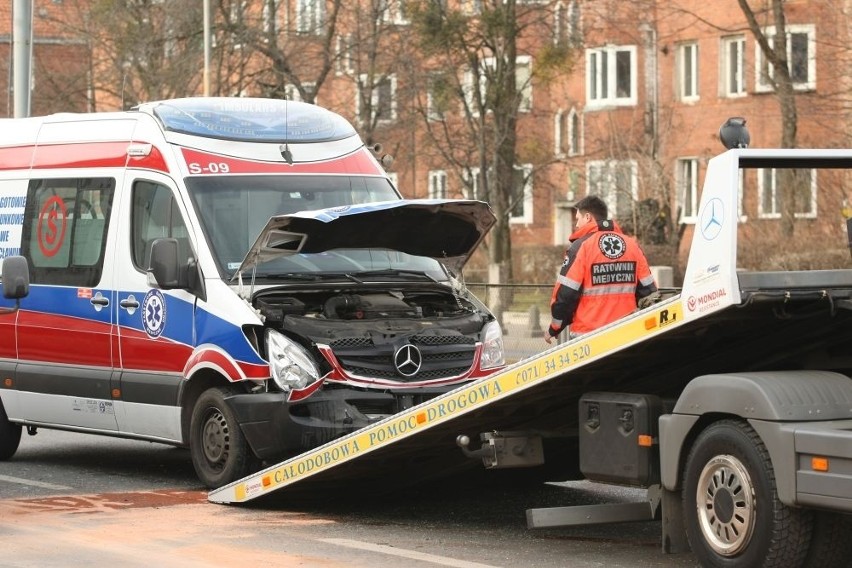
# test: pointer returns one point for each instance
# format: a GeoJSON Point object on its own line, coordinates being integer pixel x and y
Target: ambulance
{"type": "Point", "coordinates": [237, 276]}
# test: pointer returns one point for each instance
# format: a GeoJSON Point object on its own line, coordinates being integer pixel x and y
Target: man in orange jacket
{"type": "Point", "coordinates": [603, 276]}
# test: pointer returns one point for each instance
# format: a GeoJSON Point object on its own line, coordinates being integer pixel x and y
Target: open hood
{"type": "Point", "coordinates": [444, 229]}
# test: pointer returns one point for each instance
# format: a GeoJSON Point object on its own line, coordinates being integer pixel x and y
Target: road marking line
{"type": "Point", "coordinates": [33, 483]}
{"type": "Point", "coordinates": [411, 554]}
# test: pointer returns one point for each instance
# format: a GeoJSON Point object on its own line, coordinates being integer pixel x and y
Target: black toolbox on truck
{"type": "Point", "coordinates": [619, 437]}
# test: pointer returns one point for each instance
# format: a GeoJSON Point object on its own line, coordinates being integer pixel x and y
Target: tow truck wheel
{"type": "Point", "coordinates": [733, 515]}
{"type": "Point", "coordinates": [220, 453]}
{"type": "Point", "coordinates": [10, 435]}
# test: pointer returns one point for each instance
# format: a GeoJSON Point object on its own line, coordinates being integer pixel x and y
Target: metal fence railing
{"type": "Point", "coordinates": [524, 312]}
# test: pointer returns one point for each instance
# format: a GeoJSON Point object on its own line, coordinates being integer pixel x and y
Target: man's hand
{"type": "Point", "coordinates": [649, 300]}
{"type": "Point", "coordinates": [547, 337]}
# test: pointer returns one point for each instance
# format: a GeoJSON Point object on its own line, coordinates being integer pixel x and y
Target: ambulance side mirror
{"type": "Point", "coordinates": [168, 272]}
{"type": "Point", "coordinates": [165, 267]}
{"type": "Point", "coordinates": [16, 281]}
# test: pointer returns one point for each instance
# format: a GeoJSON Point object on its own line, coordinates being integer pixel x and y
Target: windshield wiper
{"type": "Point", "coordinates": [397, 272]}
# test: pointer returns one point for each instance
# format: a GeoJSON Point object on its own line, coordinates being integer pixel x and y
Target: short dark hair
{"type": "Point", "coordinates": [594, 205]}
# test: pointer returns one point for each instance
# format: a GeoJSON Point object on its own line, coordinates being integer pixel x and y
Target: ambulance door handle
{"type": "Point", "coordinates": [99, 301]}
{"type": "Point", "coordinates": [130, 303]}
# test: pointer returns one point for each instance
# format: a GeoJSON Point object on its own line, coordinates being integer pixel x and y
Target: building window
{"type": "Point", "coordinates": [687, 189]}
{"type": "Point", "coordinates": [521, 199]}
{"type": "Point", "coordinates": [270, 16]}
{"type": "Point", "coordinates": [566, 24]}
{"type": "Point", "coordinates": [687, 71]}
{"type": "Point", "coordinates": [522, 196]}
{"type": "Point", "coordinates": [615, 181]}
{"type": "Point", "coordinates": [801, 59]}
{"type": "Point", "coordinates": [523, 82]}
{"type": "Point", "coordinates": [611, 76]}
{"type": "Point", "coordinates": [804, 193]}
{"type": "Point", "coordinates": [486, 75]}
{"type": "Point", "coordinates": [437, 184]}
{"type": "Point", "coordinates": [343, 55]}
{"type": "Point", "coordinates": [393, 12]}
{"type": "Point", "coordinates": [381, 98]}
{"type": "Point", "coordinates": [733, 66]}
{"type": "Point", "coordinates": [439, 93]}
{"type": "Point", "coordinates": [291, 92]}
{"type": "Point", "coordinates": [470, 7]}
{"type": "Point", "coordinates": [310, 16]}
{"type": "Point", "coordinates": [568, 133]}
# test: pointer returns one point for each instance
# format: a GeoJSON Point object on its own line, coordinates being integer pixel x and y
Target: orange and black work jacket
{"type": "Point", "coordinates": [603, 275]}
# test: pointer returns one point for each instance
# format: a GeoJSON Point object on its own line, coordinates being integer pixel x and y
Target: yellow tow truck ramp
{"type": "Point", "coordinates": [421, 442]}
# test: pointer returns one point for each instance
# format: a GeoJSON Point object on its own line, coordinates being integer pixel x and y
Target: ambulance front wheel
{"type": "Point", "coordinates": [10, 435]}
{"type": "Point", "coordinates": [220, 452]}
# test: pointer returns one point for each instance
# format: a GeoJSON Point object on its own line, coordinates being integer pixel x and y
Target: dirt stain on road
{"type": "Point", "coordinates": [160, 528]}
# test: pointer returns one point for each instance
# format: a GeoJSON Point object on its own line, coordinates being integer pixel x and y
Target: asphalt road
{"type": "Point", "coordinates": [71, 499]}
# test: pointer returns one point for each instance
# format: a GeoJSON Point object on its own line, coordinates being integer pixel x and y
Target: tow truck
{"type": "Point", "coordinates": [729, 400]}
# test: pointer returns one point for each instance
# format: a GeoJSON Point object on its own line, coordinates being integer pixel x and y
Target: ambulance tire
{"type": "Point", "coordinates": [10, 435]}
{"type": "Point", "coordinates": [220, 452]}
{"type": "Point", "coordinates": [733, 516]}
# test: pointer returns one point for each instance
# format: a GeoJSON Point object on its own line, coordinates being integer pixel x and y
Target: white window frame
{"type": "Point", "coordinates": [686, 177]}
{"type": "Point", "coordinates": [566, 24]}
{"type": "Point", "coordinates": [270, 16]}
{"type": "Point", "coordinates": [438, 184]}
{"type": "Point", "coordinates": [375, 94]}
{"type": "Point", "coordinates": [568, 133]}
{"type": "Point", "coordinates": [602, 76]}
{"type": "Point", "coordinates": [523, 82]}
{"type": "Point", "coordinates": [763, 85]}
{"type": "Point", "coordinates": [732, 66]}
{"type": "Point", "coordinates": [393, 12]}
{"type": "Point", "coordinates": [471, 176]}
{"type": "Point", "coordinates": [310, 16]}
{"type": "Point", "coordinates": [775, 213]}
{"type": "Point", "coordinates": [527, 204]}
{"type": "Point", "coordinates": [343, 54]}
{"type": "Point", "coordinates": [293, 94]}
{"type": "Point", "coordinates": [606, 172]}
{"type": "Point", "coordinates": [470, 7]}
{"type": "Point", "coordinates": [687, 71]}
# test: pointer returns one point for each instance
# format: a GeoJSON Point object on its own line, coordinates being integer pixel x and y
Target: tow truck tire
{"type": "Point", "coordinates": [220, 452]}
{"type": "Point", "coordinates": [733, 516]}
{"type": "Point", "coordinates": [831, 546]}
{"type": "Point", "coordinates": [10, 435]}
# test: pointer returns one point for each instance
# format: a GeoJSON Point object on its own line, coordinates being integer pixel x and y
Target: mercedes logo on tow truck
{"type": "Point", "coordinates": [407, 360]}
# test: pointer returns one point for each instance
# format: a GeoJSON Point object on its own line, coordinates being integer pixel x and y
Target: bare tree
{"type": "Point", "coordinates": [471, 55]}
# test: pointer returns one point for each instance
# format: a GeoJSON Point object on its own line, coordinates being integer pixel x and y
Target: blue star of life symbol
{"type": "Point", "coordinates": [154, 313]}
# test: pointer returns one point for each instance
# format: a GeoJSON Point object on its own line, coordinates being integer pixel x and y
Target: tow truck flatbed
{"type": "Point", "coordinates": [657, 351]}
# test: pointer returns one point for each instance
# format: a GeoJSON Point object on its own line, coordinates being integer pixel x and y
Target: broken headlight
{"type": "Point", "coordinates": [292, 366]}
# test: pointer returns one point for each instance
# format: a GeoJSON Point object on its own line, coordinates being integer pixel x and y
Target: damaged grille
{"type": "Point", "coordinates": [443, 356]}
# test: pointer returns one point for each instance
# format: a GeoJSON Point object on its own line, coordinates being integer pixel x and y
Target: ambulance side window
{"type": "Point", "coordinates": [155, 215]}
{"type": "Point", "coordinates": [64, 232]}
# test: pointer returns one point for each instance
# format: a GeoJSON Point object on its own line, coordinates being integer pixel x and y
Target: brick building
{"type": "Point", "coordinates": [60, 62]}
{"type": "Point", "coordinates": [616, 97]}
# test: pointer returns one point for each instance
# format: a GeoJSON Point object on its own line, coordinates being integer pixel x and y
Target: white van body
{"type": "Point", "coordinates": [238, 276]}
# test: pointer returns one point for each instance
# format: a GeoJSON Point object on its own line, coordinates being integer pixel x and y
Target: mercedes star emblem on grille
{"type": "Point", "coordinates": [407, 360]}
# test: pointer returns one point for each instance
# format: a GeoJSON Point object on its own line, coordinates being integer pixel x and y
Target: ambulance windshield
{"type": "Point", "coordinates": [235, 209]}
